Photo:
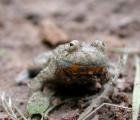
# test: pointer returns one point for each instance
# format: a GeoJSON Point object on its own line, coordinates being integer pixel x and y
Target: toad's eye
{"type": "Point", "coordinates": [99, 44]}
{"type": "Point", "coordinates": [73, 45]}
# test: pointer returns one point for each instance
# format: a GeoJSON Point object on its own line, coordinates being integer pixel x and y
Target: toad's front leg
{"type": "Point", "coordinates": [47, 74]}
{"type": "Point", "coordinates": [38, 102]}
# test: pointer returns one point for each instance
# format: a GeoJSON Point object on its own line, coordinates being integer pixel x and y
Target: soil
{"type": "Point", "coordinates": [117, 22]}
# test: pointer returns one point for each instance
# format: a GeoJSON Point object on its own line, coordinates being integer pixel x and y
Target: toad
{"type": "Point", "coordinates": [72, 66]}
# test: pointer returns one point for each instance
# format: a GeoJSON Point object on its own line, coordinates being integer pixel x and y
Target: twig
{"type": "Point", "coordinates": [20, 113]}
{"type": "Point", "coordinates": [136, 93]}
{"type": "Point", "coordinates": [42, 117]}
{"type": "Point", "coordinates": [129, 51]}
{"type": "Point", "coordinates": [102, 105]}
{"type": "Point", "coordinates": [8, 107]}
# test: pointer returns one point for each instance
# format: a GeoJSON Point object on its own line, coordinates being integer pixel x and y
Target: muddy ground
{"type": "Point", "coordinates": [115, 21]}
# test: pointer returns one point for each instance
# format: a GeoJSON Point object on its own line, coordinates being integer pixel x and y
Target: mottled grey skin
{"type": "Point", "coordinates": [72, 64]}
{"type": "Point", "coordinates": [64, 56]}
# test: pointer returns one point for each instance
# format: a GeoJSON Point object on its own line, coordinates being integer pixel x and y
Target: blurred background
{"type": "Point", "coordinates": [30, 27]}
